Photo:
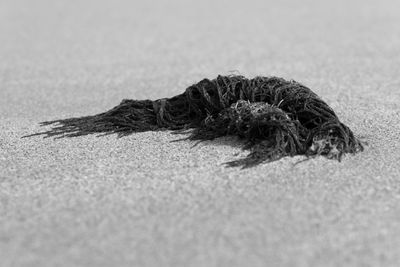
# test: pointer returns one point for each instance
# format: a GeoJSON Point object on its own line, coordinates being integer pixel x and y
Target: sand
{"type": "Point", "coordinates": [144, 201]}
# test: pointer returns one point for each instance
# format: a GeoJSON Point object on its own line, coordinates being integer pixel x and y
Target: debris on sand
{"type": "Point", "coordinates": [275, 118]}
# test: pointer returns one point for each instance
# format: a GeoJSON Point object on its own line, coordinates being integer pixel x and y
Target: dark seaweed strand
{"type": "Point", "coordinates": [275, 117]}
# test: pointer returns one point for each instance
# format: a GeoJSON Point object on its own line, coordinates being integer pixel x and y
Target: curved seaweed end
{"type": "Point", "coordinates": [333, 139]}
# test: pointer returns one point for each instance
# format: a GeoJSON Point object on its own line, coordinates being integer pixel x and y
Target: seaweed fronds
{"type": "Point", "coordinates": [275, 118]}
{"type": "Point", "coordinates": [128, 117]}
{"type": "Point", "coordinates": [269, 132]}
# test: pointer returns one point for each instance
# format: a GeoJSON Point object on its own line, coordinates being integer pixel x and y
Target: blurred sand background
{"type": "Point", "coordinates": [143, 201]}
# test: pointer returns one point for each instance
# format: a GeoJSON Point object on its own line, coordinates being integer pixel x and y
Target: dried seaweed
{"type": "Point", "coordinates": [275, 118]}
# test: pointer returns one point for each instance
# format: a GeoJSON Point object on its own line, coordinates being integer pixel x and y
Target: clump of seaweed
{"type": "Point", "coordinates": [275, 118]}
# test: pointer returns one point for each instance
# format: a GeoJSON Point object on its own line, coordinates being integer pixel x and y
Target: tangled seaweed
{"type": "Point", "coordinates": [275, 117]}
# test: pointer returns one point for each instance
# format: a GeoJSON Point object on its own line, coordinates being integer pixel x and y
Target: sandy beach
{"type": "Point", "coordinates": [142, 200]}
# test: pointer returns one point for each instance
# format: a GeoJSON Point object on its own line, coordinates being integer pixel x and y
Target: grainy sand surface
{"type": "Point", "coordinates": [144, 201]}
